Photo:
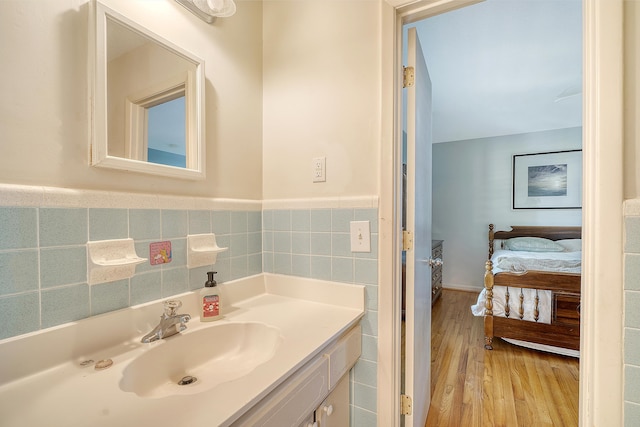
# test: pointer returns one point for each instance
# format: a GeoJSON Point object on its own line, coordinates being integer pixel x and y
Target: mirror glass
{"type": "Point", "coordinates": [148, 101]}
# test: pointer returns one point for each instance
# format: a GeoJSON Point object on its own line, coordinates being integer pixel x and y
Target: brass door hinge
{"type": "Point", "coordinates": [408, 76]}
{"type": "Point", "coordinates": [405, 405]}
{"type": "Point", "coordinates": [407, 240]}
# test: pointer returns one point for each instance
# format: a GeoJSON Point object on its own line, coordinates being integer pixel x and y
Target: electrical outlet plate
{"type": "Point", "coordinates": [360, 236]}
{"type": "Point", "coordinates": [318, 169]}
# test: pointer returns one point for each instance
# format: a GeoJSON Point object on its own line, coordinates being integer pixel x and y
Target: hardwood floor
{"type": "Point", "coordinates": [508, 386]}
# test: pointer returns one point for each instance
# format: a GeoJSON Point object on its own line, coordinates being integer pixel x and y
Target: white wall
{"type": "Point", "coordinates": [44, 117]}
{"type": "Point", "coordinates": [321, 97]}
{"type": "Point", "coordinates": [322, 91]}
{"type": "Point", "coordinates": [472, 185]}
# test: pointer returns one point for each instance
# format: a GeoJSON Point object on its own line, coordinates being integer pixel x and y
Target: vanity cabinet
{"type": "Point", "coordinates": [316, 395]}
{"type": "Point", "coordinates": [436, 271]}
{"type": "Point", "coordinates": [334, 410]}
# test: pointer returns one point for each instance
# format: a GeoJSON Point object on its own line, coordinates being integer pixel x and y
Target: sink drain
{"type": "Point", "coordinates": [187, 380]}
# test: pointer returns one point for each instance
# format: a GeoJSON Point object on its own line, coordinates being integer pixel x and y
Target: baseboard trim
{"type": "Point", "coordinates": [465, 288]}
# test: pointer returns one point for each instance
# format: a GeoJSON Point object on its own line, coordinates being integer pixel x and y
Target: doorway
{"type": "Point", "coordinates": [602, 210]}
{"type": "Point", "coordinates": [499, 86]}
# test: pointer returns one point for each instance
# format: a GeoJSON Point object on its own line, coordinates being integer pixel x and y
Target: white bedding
{"type": "Point", "coordinates": [519, 262]}
{"type": "Point", "coordinates": [499, 292]}
{"type": "Point", "coordinates": [543, 347]}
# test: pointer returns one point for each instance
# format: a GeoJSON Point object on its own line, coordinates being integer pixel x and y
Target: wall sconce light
{"type": "Point", "coordinates": [208, 10]}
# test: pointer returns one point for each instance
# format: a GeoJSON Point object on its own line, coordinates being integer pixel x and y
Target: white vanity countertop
{"type": "Point", "coordinates": [42, 382]}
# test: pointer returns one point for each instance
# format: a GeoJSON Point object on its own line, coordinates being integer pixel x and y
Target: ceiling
{"type": "Point", "coordinates": [504, 67]}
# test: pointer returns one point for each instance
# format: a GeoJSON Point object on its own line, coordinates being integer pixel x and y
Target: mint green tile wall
{"type": "Point", "coordinates": [43, 259]}
{"type": "Point", "coordinates": [43, 265]}
{"type": "Point", "coordinates": [315, 243]}
{"type": "Point", "coordinates": [632, 322]}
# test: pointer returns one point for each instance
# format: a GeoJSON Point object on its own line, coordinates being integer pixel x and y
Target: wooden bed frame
{"type": "Point", "coordinates": [564, 329]}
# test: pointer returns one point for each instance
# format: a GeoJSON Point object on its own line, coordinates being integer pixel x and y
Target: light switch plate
{"type": "Point", "coordinates": [360, 236]}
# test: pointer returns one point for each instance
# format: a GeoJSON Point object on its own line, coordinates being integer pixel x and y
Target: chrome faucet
{"type": "Point", "coordinates": [170, 322]}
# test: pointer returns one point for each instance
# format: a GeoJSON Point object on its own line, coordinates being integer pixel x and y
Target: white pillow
{"type": "Point", "coordinates": [533, 244]}
{"type": "Point", "coordinates": [570, 245]}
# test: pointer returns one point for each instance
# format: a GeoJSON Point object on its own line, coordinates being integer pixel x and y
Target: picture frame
{"type": "Point", "coordinates": [551, 180]}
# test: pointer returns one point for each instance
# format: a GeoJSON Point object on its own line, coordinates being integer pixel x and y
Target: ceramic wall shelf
{"type": "Point", "coordinates": [202, 250]}
{"type": "Point", "coordinates": [111, 260]}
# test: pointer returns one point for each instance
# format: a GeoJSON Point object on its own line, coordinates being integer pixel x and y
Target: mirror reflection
{"type": "Point", "coordinates": [153, 101]}
{"type": "Point", "coordinates": [166, 142]}
{"type": "Point", "coordinates": [145, 82]}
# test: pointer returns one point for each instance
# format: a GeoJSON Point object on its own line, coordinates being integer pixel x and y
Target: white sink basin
{"type": "Point", "coordinates": [213, 355]}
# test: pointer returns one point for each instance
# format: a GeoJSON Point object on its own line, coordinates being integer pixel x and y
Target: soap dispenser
{"type": "Point", "coordinates": [210, 299]}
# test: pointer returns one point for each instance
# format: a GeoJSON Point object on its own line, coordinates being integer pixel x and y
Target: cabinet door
{"type": "Point", "coordinates": [293, 400]}
{"type": "Point", "coordinates": [309, 422]}
{"type": "Point", "coordinates": [334, 411]}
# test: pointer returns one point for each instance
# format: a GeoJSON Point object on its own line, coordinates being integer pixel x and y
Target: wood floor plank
{"type": "Point", "coordinates": [508, 386]}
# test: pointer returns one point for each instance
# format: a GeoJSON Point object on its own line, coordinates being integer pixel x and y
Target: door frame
{"type": "Point", "coordinates": [601, 345]}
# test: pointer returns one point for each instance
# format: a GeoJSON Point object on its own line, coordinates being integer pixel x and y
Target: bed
{"type": "Point", "coordinates": [531, 293]}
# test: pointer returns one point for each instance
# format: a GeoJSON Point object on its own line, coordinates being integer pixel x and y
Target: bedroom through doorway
{"type": "Point", "coordinates": [488, 106]}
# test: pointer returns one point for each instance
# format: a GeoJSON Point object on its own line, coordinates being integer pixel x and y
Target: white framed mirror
{"type": "Point", "coordinates": [147, 100]}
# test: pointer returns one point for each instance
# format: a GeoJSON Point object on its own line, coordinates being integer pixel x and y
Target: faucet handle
{"type": "Point", "coordinates": [170, 306]}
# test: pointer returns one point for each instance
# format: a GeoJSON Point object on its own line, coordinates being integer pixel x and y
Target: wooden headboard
{"type": "Point", "coordinates": [551, 233]}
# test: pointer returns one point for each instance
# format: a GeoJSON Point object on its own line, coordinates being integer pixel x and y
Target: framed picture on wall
{"type": "Point", "coordinates": [547, 180]}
